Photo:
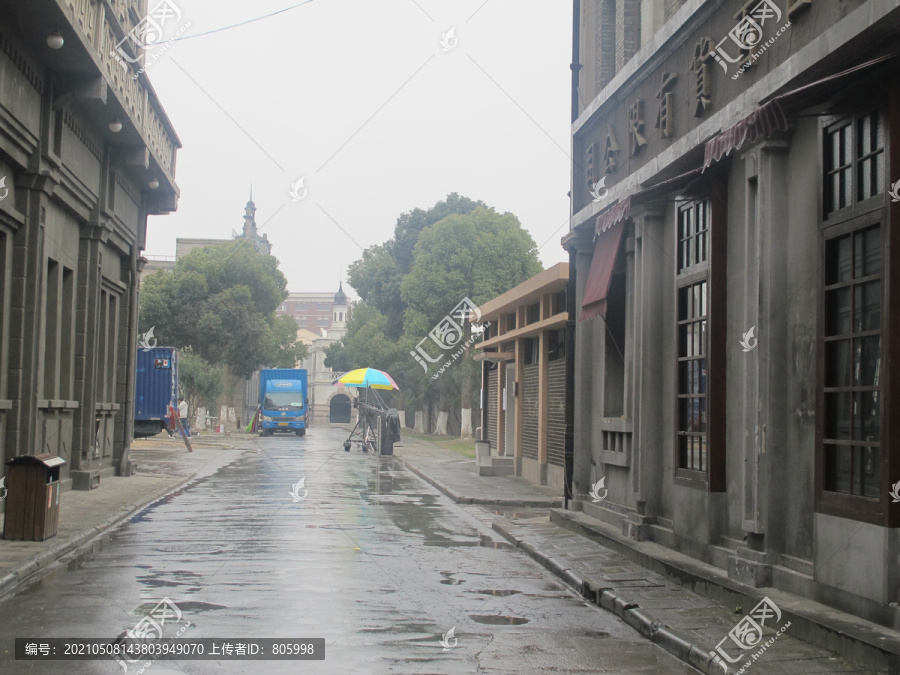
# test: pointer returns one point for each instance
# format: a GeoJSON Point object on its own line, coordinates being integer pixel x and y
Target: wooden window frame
{"type": "Point", "coordinates": [858, 215]}
{"type": "Point", "coordinates": [713, 478]}
{"type": "Point", "coordinates": [857, 207]}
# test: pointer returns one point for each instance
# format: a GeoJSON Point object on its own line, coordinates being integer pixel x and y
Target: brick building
{"type": "Point", "coordinates": [312, 311]}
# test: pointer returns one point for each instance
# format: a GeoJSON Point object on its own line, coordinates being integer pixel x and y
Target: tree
{"type": "Point", "coordinates": [477, 256]}
{"type": "Point", "coordinates": [200, 381]}
{"type": "Point", "coordinates": [377, 275]}
{"type": "Point", "coordinates": [220, 301]}
{"type": "Point", "coordinates": [365, 345]}
{"type": "Point", "coordinates": [457, 249]}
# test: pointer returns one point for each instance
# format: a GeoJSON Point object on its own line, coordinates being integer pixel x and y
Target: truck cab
{"type": "Point", "coordinates": [284, 404]}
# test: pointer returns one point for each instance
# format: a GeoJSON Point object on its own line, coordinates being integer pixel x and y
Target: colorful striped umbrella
{"type": "Point", "coordinates": [368, 377]}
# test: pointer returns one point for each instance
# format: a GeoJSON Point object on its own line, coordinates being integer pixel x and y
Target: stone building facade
{"type": "Point", "coordinates": [736, 262]}
{"type": "Point", "coordinates": [86, 154]}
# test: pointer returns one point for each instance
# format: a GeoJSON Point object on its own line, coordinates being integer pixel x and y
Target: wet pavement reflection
{"type": "Point", "coordinates": [298, 539]}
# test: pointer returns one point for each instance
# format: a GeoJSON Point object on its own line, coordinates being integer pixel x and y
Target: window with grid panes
{"type": "Point", "coordinates": [851, 426]}
{"type": "Point", "coordinates": [693, 235]}
{"type": "Point", "coordinates": [854, 161]}
{"type": "Point", "coordinates": [693, 300]}
{"type": "Point", "coordinates": [851, 456]}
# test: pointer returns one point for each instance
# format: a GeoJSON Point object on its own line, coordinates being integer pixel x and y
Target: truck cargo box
{"type": "Point", "coordinates": [155, 388]}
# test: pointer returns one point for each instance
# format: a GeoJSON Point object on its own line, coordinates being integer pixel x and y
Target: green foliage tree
{"type": "Point", "coordinates": [220, 301]}
{"type": "Point", "coordinates": [365, 345]}
{"type": "Point", "coordinates": [377, 275]}
{"type": "Point", "coordinates": [479, 255]}
{"type": "Point", "coordinates": [200, 381]}
{"type": "Point", "coordinates": [457, 249]}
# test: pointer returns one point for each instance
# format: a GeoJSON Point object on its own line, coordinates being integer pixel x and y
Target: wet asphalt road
{"type": "Point", "coordinates": [369, 557]}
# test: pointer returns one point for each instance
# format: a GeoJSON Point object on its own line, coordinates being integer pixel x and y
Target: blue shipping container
{"type": "Point", "coordinates": [155, 388]}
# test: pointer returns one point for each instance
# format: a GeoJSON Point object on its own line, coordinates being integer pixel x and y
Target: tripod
{"type": "Point", "coordinates": [364, 433]}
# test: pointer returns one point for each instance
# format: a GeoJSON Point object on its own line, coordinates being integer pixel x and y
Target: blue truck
{"type": "Point", "coordinates": [283, 401]}
{"type": "Point", "coordinates": [155, 388]}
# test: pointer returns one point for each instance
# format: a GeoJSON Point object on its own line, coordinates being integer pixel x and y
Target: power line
{"type": "Point", "coordinates": [243, 23]}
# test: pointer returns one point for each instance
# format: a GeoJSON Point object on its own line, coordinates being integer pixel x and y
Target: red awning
{"type": "Point", "coordinates": [612, 216]}
{"type": "Point", "coordinates": [761, 122]}
{"type": "Point", "coordinates": [597, 285]}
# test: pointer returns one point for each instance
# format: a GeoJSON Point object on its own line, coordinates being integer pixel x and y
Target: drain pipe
{"type": "Point", "coordinates": [575, 66]}
{"type": "Point", "coordinates": [569, 443]}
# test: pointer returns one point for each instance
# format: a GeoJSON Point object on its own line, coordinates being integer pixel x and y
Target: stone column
{"type": "Point", "coordinates": [86, 341]}
{"type": "Point", "coordinates": [764, 419]}
{"type": "Point", "coordinates": [650, 273]}
{"type": "Point", "coordinates": [25, 357]}
{"type": "Point", "coordinates": [584, 355]}
{"type": "Point", "coordinates": [129, 340]}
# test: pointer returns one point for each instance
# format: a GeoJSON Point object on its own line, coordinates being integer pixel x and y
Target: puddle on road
{"type": "Point", "coordinates": [189, 548]}
{"type": "Point", "coordinates": [183, 605]}
{"type": "Point", "coordinates": [484, 541]}
{"type": "Point", "coordinates": [147, 511]}
{"type": "Point", "coordinates": [498, 620]}
{"type": "Point", "coordinates": [186, 580]}
{"type": "Point", "coordinates": [595, 634]}
{"type": "Point", "coordinates": [450, 581]}
{"type": "Point", "coordinates": [402, 627]}
{"type": "Point", "coordinates": [482, 544]}
{"type": "Point", "coordinates": [502, 593]}
{"type": "Point", "coordinates": [346, 526]}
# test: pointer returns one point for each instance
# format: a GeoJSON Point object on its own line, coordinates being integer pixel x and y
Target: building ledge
{"type": "Point", "coordinates": [55, 404]}
{"type": "Point", "coordinates": [532, 329]}
{"type": "Point", "coordinates": [495, 356]}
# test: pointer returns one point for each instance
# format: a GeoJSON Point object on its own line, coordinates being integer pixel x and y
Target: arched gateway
{"type": "Point", "coordinates": [339, 409]}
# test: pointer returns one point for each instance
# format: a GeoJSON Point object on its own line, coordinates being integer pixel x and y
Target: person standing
{"type": "Point", "coordinates": [183, 414]}
{"type": "Point", "coordinates": [170, 421]}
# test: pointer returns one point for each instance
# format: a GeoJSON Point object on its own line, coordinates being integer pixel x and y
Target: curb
{"type": "Point", "coordinates": [845, 638]}
{"type": "Point", "coordinates": [79, 542]}
{"type": "Point", "coordinates": [604, 598]}
{"type": "Point", "coordinates": [461, 499]}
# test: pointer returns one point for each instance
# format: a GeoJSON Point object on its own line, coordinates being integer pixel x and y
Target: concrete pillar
{"type": "Point", "coordinates": [543, 380]}
{"type": "Point", "coordinates": [584, 354]}
{"type": "Point", "coordinates": [501, 411]}
{"type": "Point", "coordinates": [651, 269]}
{"type": "Point", "coordinates": [129, 361]}
{"type": "Point", "coordinates": [25, 317]}
{"type": "Point", "coordinates": [764, 422]}
{"type": "Point", "coordinates": [86, 341]}
{"type": "Point", "coordinates": [518, 391]}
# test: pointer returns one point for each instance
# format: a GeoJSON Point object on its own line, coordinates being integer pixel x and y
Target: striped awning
{"type": "Point", "coordinates": [763, 121]}
{"type": "Point", "coordinates": [612, 216]}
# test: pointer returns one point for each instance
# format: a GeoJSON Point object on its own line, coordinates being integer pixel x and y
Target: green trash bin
{"type": "Point", "coordinates": [32, 502]}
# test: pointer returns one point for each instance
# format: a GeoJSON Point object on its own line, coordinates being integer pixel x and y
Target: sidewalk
{"type": "Point", "coordinates": [163, 466]}
{"type": "Point", "coordinates": [457, 477]}
{"type": "Point", "coordinates": [683, 622]}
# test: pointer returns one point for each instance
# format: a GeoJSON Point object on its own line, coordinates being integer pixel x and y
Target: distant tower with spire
{"type": "Point", "coordinates": [341, 311]}
{"type": "Point", "coordinates": [260, 243]}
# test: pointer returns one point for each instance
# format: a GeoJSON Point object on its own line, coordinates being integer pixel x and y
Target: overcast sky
{"type": "Point", "coordinates": [361, 99]}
